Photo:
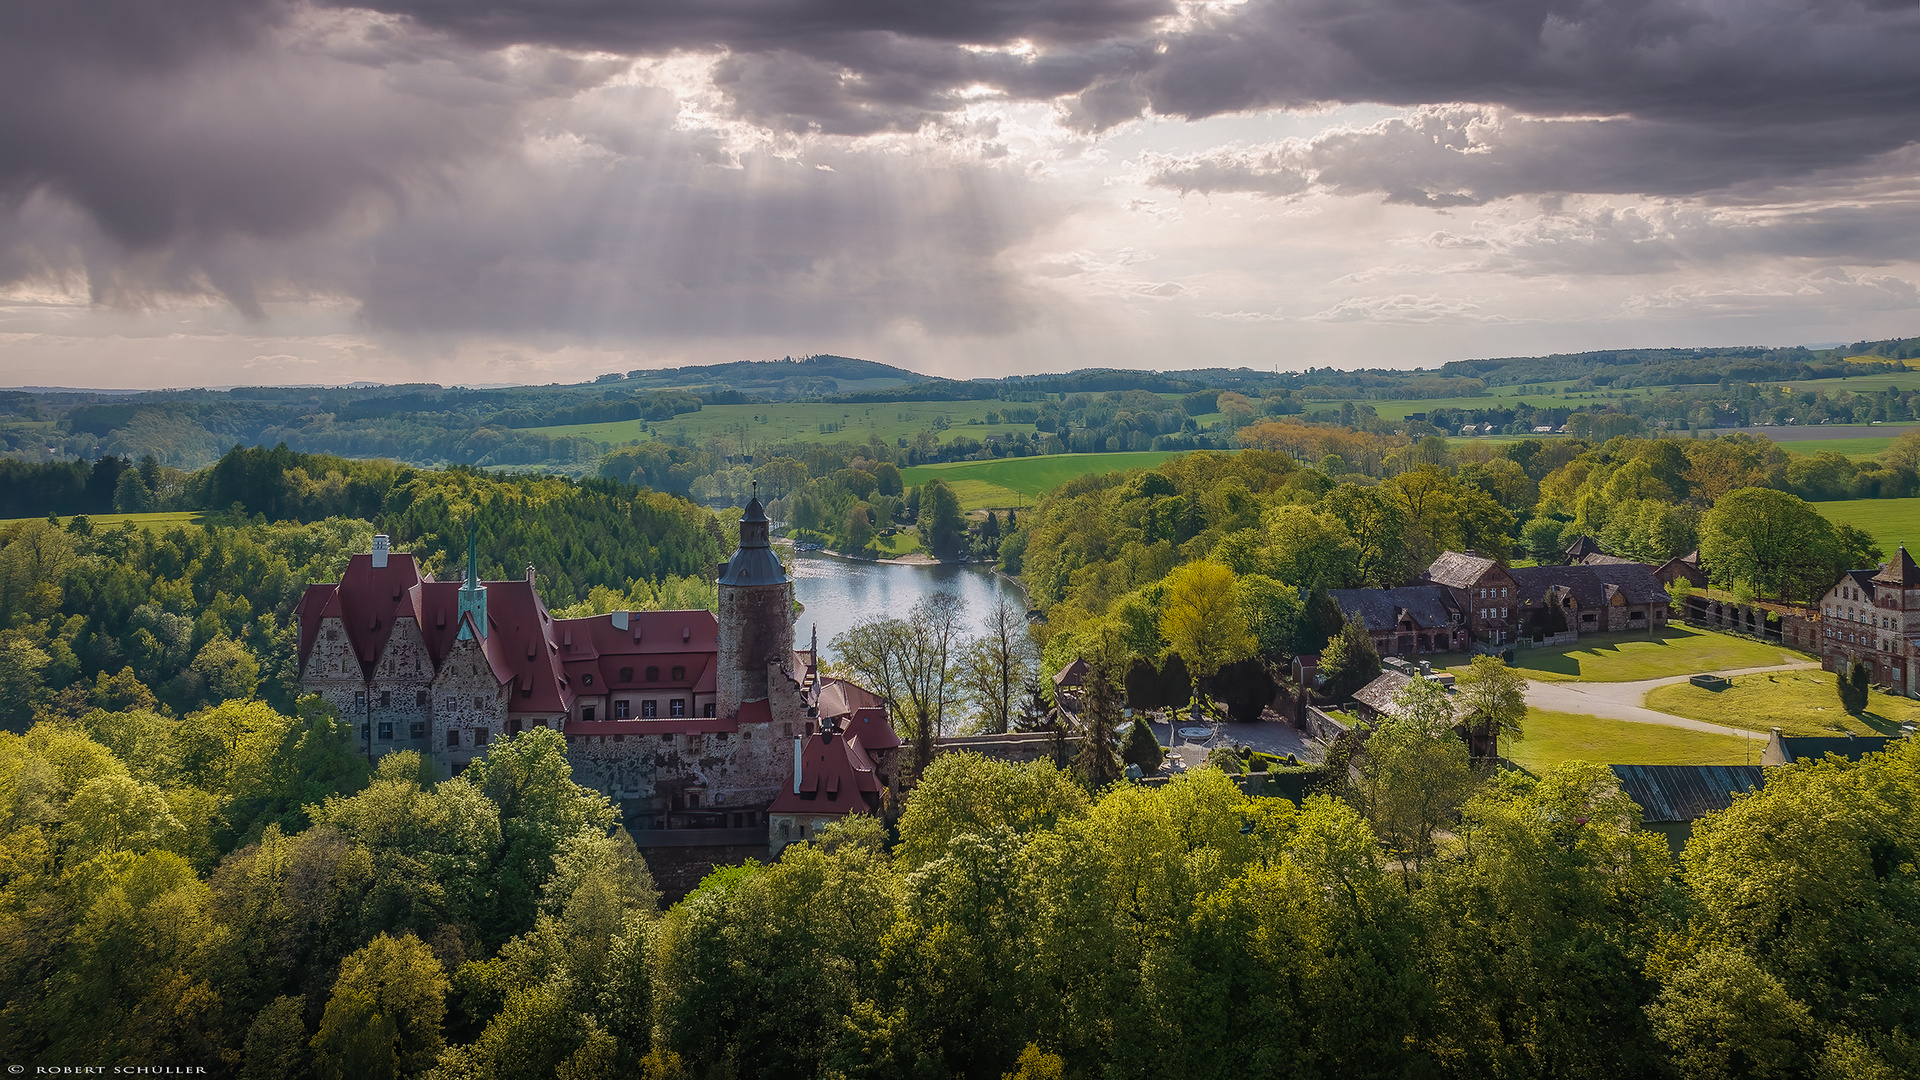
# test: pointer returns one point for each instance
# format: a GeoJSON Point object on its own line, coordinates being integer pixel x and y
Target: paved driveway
{"type": "Point", "coordinates": [1622, 700]}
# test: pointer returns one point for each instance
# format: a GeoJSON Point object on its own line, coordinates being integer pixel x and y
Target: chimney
{"type": "Point", "coordinates": [381, 546]}
{"type": "Point", "coordinates": [529, 573]}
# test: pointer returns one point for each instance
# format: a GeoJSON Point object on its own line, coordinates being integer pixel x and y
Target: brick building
{"type": "Point", "coordinates": [1872, 617]}
{"type": "Point", "coordinates": [691, 721]}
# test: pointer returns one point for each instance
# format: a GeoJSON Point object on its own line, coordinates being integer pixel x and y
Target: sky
{"type": "Point", "coordinates": [221, 192]}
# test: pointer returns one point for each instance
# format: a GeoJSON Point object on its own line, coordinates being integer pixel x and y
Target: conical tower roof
{"type": "Point", "coordinates": [1900, 571]}
{"type": "Point", "coordinates": [754, 562]}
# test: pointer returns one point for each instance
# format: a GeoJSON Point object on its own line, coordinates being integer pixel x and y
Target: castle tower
{"type": "Point", "coordinates": [756, 616]}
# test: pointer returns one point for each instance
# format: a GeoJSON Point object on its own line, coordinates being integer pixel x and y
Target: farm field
{"type": "Point", "coordinates": [1553, 737]}
{"type": "Point", "coordinates": [1633, 655]}
{"type": "Point", "coordinates": [1018, 481]}
{"type": "Point", "coordinates": [1796, 702]}
{"type": "Point", "coordinates": [1891, 522]}
{"type": "Point", "coordinates": [1863, 449]}
{"type": "Point", "coordinates": [145, 521]}
{"type": "Point", "coordinates": [785, 422]}
{"type": "Point", "coordinates": [1862, 384]}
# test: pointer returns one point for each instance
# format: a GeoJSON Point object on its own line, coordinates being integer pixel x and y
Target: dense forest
{"type": "Point", "coordinates": [230, 891]}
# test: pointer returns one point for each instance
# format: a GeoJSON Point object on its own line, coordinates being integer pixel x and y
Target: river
{"type": "Point", "coordinates": [837, 593]}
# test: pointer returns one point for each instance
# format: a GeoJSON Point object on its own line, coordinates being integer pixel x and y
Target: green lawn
{"type": "Point", "coordinates": [1018, 481]}
{"type": "Point", "coordinates": [789, 421]}
{"type": "Point", "coordinates": [1796, 702]}
{"type": "Point", "coordinates": [1626, 657]}
{"type": "Point", "coordinates": [1892, 522]}
{"type": "Point", "coordinates": [1862, 449]}
{"type": "Point", "coordinates": [145, 521]}
{"type": "Point", "coordinates": [903, 542]}
{"type": "Point", "coordinates": [1553, 737]}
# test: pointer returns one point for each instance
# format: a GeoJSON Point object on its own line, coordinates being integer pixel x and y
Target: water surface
{"type": "Point", "coordinates": [837, 593]}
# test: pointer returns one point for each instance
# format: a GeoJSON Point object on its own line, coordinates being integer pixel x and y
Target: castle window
{"type": "Point", "coordinates": [416, 730]}
{"type": "Point", "coordinates": [333, 635]}
{"type": "Point", "coordinates": [453, 736]}
{"type": "Point", "coordinates": [678, 707]}
{"type": "Point", "coordinates": [619, 738]}
{"type": "Point", "coordinates": [479, 736]}
{"type": "Point", "coordinates": [477, 703]}
{"type": "Point", "coordinates": [386, 699]}
{"type": "Point", "coordinates": [720, 736]}
{"type": "Point", "coordinates": [709, 709]}
{"type": "Point", "coordinates": [363, 731]}
{"type": "Point", "coordinates": [513, 727]}
{"type": "Point", "coordinates": [679, 674]}
{"type": "Point", "coordinates": [586, 713]}
{"type": "Point", "coordinates": [649, 709]}
{"type": "Point", "coordinates": [626, 674]}
{"type": "Point", "coordinates": [586, 680]}
{"type": "Point", "coordinates": [622, 709]}
{"type": "Point", "coordinates": [420, 698]}
{"type": "Point", "coordinates": [359, 702]}
{"type": "Point", "coordinates": [386, 731]}
{"type": "Point", "coordinates": [653, 674]}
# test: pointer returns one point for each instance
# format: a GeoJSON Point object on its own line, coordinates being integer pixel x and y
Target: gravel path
{"type": "Point", "coordinates": [1623, 700]}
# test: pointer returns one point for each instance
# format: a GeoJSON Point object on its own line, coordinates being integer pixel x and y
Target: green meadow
{"type": "Point", "coordinates": [1863, 449]}
{"type": "Point", "coordinates": [1018, 481]}
{"type": "Point", "coordinates": [145, 521]}
{"type": "Point", "coordinates": [804, 421]}
{"type": "Point", "coordinates": [1891, 522]}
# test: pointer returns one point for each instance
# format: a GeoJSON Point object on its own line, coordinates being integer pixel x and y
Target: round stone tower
{"type": "Point", "coordinates": [756, 616]}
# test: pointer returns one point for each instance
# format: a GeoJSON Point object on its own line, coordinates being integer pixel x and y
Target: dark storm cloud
{"type": "Point", "coordinates": [380, 151]}
{"type": "Point", "coordinates": [660, 242]}
{"type": "Point", "coordinates": [1442, 156]}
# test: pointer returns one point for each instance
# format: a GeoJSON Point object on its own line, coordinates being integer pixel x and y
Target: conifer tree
{"type": "Point", "coordinates": [1143, 747]}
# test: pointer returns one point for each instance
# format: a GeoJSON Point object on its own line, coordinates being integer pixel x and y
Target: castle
{"type": "Point", "coordinates": [691, 722]}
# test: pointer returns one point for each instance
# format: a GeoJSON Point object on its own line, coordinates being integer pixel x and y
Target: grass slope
{"type": "Point", "coordinates": [1864, 449]}
{"type": "Point", "coordinates": [1018, 481]}
{"type": "Point", "coordinates": [783, 422]}
{"type": "Point", "coordinates": [1892, 522]}
{"type": "Point", "coordinates": [1553, 737]}
{"type": "Point", "coordinates": [1626, 657]}
{"type": "Point", "coordinates": [145, 521]}
{"type": "Point", "coordinates": [1796, 702]}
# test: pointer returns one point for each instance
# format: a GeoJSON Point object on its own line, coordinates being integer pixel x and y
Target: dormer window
{"type": "Point", "coordinates": [626, 674]}
{"type": "Point", "coordinates": [653, 674]}
{"type": "Point", "coordinates": [679, 673]}
{"type": "Point", "coordinates": [586, 680]}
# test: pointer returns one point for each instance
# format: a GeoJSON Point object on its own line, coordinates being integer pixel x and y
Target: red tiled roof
{"type": "Point", "coordinates": [370, 598]}
{"type": "Point", "coordinates": [838, 697]}
{"type": "Point", "coordinates": [836, 777]}
{"type": "Point", "coordinates": [871, 728]}
{"type": "Point", "coordinates": [311, 609]}
{"type": "Point", "coordinates": [519, 628]}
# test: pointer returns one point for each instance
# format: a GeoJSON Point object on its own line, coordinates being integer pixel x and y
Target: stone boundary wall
{"type": "Point", "coordinates": [678, 870]}
{"type": "Point", "coordinates": [1019, 747]}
